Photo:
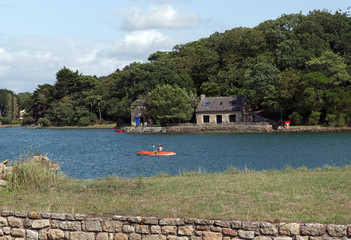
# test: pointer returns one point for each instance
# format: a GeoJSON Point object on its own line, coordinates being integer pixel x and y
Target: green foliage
{"type": "Point", "coordinates": [44, 122]}
{"type": "Point", "coordinates": [169, 105]}
{"type": "Point", "coordinates": [296, 119]}
{"type": "Point", "coordinates": [314, 118]}
{"type": "Point", "coordinates": [5, 120]}
{"type": "Point", "coordinates": [27, 121]}
{"type": "Point", "coordinates": [84, 121]}
{"type": "Point", "coordinates": [330, 119]}
{"type": "Point", "coordinates": [296, 63]}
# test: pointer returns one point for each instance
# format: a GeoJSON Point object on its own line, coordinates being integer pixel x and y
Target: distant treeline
{"type": "Point", "coordinates": [297, 66]}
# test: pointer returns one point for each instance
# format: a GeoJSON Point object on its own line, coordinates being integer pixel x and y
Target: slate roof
{"type": "Point", "coordinates": [221, 104]}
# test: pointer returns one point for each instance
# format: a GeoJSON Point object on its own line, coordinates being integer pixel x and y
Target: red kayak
{"type": "Point", "coordinates": [118, 131]}
{"type": "Point", "coordinates": [156, 153]}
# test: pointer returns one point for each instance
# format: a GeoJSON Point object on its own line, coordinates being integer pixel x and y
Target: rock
{"type": "Point", "coordinates": [93, 226]}
{"type": "Point", "coordinates": [55, 234]}
{"type": "Point", "coordinates": [32, 235]}
{"type": "Point", "coordinates": [3, 183]}
{"type": "Point", "coordinates": [246, 234]}
{"type": "Point", "coordinates": [337, 230]}
{"type": "Point", "coordinates": [212, 236]}
{"type": "Point", "coordinates": [313, 229]}
{"type": "Point", "coordinates": [291, 229]}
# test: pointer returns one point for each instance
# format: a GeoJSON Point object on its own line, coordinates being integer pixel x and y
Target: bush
{"type": "Point", "coordinates": [296, 118]}
{"type": "Point", "coordinates": [27, 121]}
{"type": "Point", "coordinates": [44, 122]}
{"type": "Point", "coordinates": [340, 121]}
{"type": "Point", "coordinates": [30, 174]}
{"type": "Point", "coordinates": [84, 121]}
{"type": "Point", "coordinates": [5, 120]}
{"type": "Point", "coordinates": [314, 118]}
{"type": "Point", "coordinates": [331, 119]}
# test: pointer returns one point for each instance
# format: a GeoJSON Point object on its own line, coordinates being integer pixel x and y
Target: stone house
{"type": "Point", "coordinates": [223, 110]}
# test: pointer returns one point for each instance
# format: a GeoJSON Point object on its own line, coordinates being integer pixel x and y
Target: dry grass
{"type": "Point", "coordinates": [321, 195]}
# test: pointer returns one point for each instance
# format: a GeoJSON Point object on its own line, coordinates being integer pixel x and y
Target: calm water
{"type": "Point", "coordinates": [102, 153]}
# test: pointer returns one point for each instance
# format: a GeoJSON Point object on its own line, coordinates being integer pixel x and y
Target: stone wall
{"type": "Point", "coordinates": [203, 128]}
{"type": "Point", "coordinates": [40, 226]}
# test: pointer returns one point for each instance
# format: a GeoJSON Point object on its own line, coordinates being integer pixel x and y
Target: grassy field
{"type": "Point", "coordinates": [300, 195]}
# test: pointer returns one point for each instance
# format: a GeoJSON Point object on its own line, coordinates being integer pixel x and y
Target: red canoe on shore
{"type": "Point", "coordinates": [156, 153]}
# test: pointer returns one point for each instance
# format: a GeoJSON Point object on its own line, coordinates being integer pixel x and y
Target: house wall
{"type": "Point", "coordinates": [59, 226]}
{"type": "Point", "coordinates": [137, 111]}
{"type": "Point", "coordinates": [213, 117]}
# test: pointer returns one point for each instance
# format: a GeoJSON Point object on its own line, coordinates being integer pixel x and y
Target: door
{"type": "Point", "coordinates": [219, 119]}
{"type": "Point", "coordinates": [137, 121]}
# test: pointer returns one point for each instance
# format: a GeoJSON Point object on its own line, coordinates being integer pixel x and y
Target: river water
{"type": "Point", "coordinates": [91, 154]}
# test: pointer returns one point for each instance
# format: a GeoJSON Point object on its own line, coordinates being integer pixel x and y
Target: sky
{"type": "Point", "coordinates": [39, 37]}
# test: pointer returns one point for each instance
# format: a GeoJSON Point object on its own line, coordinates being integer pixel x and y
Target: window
{"type": "Point", "coordinates": [232, 118]}
{"type": "Point", "coordinates": [220, 104]}
{"type": "Point", "coordinates": [207, 104]}
{"type": "Point", "coordinates": [206, 119]}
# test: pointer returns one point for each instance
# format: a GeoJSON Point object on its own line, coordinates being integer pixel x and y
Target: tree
{"type": "Point", "coordinates": [11, 107]}
{"type": "Point", "coordinates": [169, 104]}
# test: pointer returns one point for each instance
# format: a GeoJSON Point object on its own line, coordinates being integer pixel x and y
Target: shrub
{"type": "Point", "coordinates": [84, 121]}
{"type": "Point", "coordinates": [5, 120]}
{"type": "Point", "coordinates": [314, 118]}
{"type": "Point", "coordinates": [331, 119]}
{"type": "Point", "coordinates": [30, 174]}
{"type": "Point", "coordinates": [340, 121]}
{"type": "Point", "coordinates": [44, 122]}
{"type": "Point", "coordinates": [296, 118]}
{"type": "Point", "coordinates": [27, 121]}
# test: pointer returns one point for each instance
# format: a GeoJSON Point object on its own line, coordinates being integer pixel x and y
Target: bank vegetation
{"type": "Point", "coordinates": [292, 195]}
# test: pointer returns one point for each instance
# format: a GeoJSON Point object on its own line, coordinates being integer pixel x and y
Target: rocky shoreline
{"type": "Point", "coordinates": [245, 128]}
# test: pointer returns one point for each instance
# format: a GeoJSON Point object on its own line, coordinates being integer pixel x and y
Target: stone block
{"type": "Point", "coordinates": [153, 237]}
{"type": "Point", "coordinates": [71, 226]}
{"type": "Point", "coordinates": [282, 238]}
{"type": "Point", "coordinates": [135, 219]}
{"type": "Point", "coordinates": [142, 229]}
{"type": "Point", "coordinates": [262, 238]}
{"type": "Point", "coordinates": [81, 236]}
{"type": "Point", "coordinates": [236, 224]}
{"type": "Point", "coordinates": [313, 229]}
{"type": "Point", "coordinates": [32, 235]}
{"type": "Point", "coordinates": [202, 227]}
{"type": "Point", "coordinates": [134, 236]}
{"type": "Point", "coordinates": [43, 234]}
{"type": "Point", "coordinates": [7, 213]}
{"type": "Point", "coordinates": [15, 222]}
{"type": "Point", "coordinates": [3, 222]}
{"type": "Point", "coordinates": [171, 222]}
{"type": "Point", "coordinates": [6, 230]}
{"type": "Point", "coordinates": [93, 226]}
{"type": "Point", "coordinates": [34, 215]}
{"type": "Point", "coordinates": [155, 229]}
{"type": "Point", "coordinates": [187, 230]}
{"type": "Point", "coordinates": [268, 229]}
{"type": "Point", "coordinates": [337, 230]}
{"type": "Point", "coordinates": [128, 229]}
{"type": "Point", "coordinates": [222, 224]}
{"type": "Point", "coordinates": [169, 230]}
{"type": "Point", "coordinates": [290, 229]}
{"type": "Point", "coordinates": [55, 234]}
{"type": "Point", "coordinates": [102, 236]}
{"type": "Point", "coordinates": [1, 233]}
{"type": "Point", "coordinates": [215, 229]}
{"type": "Point", "coordinates": [40, 223]}
{"type": "Point", "coordinates": [58, 216]}
{"type": "Point", "coordinates": [250, 226]}
{"type": "Point", "coordinates": [246, 234]}
{"type": "Point", "coordinates": [120, 236]}
{"type": "Point", "coordinates": [18, 232]}
{"type": "Point", "coordinates": [211, 236]}
{"type": "Point", "coordinates": [112, 226]}
{"type": "Point", "coordinates": [230, 232]}
{"type": "Point", "coordinates": [177, 238]}
{"type": "Point", "coordinates": [150, 220]}
{"type": "Point", "coordinates": [20, 214]}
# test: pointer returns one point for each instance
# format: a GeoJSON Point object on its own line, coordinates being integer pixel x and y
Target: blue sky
{"type": "Point", "coordinates": [37, 37]}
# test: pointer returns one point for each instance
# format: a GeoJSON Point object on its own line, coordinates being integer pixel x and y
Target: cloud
{"type": "Point", "coordinates": [29, 61]}
{"type": "Point", "coordinates": [157, 17]}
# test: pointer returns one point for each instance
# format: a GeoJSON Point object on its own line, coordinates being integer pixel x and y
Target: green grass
{"type": "Point", "coordinates": [292, 195]}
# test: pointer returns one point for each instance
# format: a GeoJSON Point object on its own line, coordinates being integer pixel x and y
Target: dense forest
{"type": "Point", "coordinates": [297, 65]}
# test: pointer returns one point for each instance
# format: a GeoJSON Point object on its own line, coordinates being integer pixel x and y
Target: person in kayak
{"type": "Point", "coordinates": [159, 148]}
